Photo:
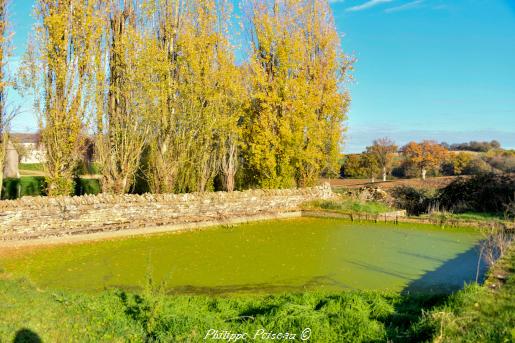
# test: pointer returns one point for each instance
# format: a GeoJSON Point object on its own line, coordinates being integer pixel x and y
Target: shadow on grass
{"type": "Point", "coordinates": [26, 336]}
{"type": "Point", "coordinates": [429, 291]}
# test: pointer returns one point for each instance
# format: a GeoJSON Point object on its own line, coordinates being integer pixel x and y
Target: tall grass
{"type": "Point", "coordinates": [350, 206]}
{"type": "Point", "coordinates": [154, 316]}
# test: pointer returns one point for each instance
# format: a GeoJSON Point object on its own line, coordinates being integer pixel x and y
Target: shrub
{"type": "Point", "coordinates": [87, 186]}
{"type": "Point", "coordinates": [476, 166]}
{"type": "Point", "coordinates": [480, 193]}
{"type": "Point", "coordinates": [14, 188]}
{"type": "Point", "coordinates": [414, 200]}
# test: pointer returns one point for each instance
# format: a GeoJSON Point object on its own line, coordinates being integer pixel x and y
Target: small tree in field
{"type": "Point", "coordinates": [370, 165]}
{"type": "Point", "coordinates": [383, 150]}
{"type": "Point", "coordinates": [426, 155]}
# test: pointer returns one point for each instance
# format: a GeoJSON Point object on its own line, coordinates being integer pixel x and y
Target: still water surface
{"type": "Point", "coordinates": [292, 254]}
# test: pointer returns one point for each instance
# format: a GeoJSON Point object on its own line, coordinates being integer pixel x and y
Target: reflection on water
{"type": "Point", "coordinates": [293, 254]}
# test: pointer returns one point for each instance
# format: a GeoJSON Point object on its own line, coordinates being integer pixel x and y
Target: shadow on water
{"type": "Point", "coordinates": [451, 275]}
{"type": "Point", "coordinates": [26, 336]}
{"type": "Point", "coordinates": [430, 290]}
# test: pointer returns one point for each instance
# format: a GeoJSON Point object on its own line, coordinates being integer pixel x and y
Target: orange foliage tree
{"type": "Point", "coordinates": [426, 155]}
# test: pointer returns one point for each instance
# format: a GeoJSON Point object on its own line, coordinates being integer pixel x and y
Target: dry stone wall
{"type": "Point", "coordinates": [32, 217]}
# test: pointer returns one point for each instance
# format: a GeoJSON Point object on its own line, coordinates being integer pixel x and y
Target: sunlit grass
{"type": "Point", "coordinates": [350, 206]}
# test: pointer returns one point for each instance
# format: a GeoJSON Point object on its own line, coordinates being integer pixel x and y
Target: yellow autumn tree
{"type": "Point", "coordinates": [167, 144]}
{"type": "Point", "coordinates": [195, 132]}
{"type": "Point", "coordinates": [293, 127]}
{"type": "Point", "coordinates": [125, 99]}
{"type": "Point", "coordinates": [60, 61]}
{"type": "Point", "coordinates": [5, 118]}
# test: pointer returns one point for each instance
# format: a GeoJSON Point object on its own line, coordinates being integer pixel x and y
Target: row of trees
{"type": "Point", "coordinates": [155, 83]}
{"type": "Point", "coordinates": [477, 146]}
{"type": "Point", "coordinates": [418, 157]}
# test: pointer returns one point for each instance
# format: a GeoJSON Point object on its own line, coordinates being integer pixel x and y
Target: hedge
{"type": "Point", "coordinates": [14, 188]}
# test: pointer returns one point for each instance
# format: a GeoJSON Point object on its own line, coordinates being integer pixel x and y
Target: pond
{"type": "Point", "coordinates": [269, 256]}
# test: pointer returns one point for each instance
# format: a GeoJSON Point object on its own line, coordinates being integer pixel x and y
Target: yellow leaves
{"type": "Point", "coordinates": [296, 103]}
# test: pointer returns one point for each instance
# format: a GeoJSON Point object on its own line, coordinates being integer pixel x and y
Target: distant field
{"type": "Point", "coordinates": [432, 182]}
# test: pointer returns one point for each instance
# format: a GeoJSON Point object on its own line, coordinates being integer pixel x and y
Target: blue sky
{"type": "Point", "coordinates": [426, 69]}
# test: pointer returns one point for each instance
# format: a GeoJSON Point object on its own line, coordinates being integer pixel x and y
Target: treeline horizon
{"type": "Point", "coordinates": [414, 159]}
{"type": "Point", "coordinates": [153, 85]}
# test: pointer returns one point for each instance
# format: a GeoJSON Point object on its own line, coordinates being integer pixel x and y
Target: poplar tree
{"type": "Point", "coordinates": [195, 133]}
{"type": "Point", "coordinates": [324, 104]}
{"type": "Point", "coordinates": [60, 61]}
{"type": "Point", "coordinates": [168, 143]}
{"type": "Point", "coordinates": [125, 101]}
{"type": "Point", "coordinates": [5, 118]}
{"type": "Point", "coordinates": [294, 126]}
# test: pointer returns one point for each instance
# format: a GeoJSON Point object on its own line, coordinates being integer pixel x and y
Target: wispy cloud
{"type": "Point", "coordinates": [406, 6]}
{"type": "Point", "coordinates": [367, 5]}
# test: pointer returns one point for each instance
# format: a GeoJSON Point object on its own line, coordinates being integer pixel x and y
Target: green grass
{"type": "Point", "coordinates": [454, 219]}
{"type": "Point", "coordinates": [91, 169]}
{"type": "Point", "coordinates": [350, 206]}
{"type": "Point", "coordinates": [478, 313]}
{"type": "Point", "coordinates": [477, 216]}
{"type": "Point", "coordinates": [152, 316]}
{"type": "Point", "coordinates": [32, 166]}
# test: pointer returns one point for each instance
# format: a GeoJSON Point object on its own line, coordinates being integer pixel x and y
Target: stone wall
{"type": "Point", "coordinates": [33, 217]}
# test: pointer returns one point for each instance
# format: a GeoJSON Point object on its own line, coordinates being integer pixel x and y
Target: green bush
{"type": "Point", "coordinates": [87, 186]}
{"type": "Point", "coordinates": [481, 193]}
{"type": "Point", "coordinates": [14, 188]}
{"type": "Point", "coordinates": [414, 200]}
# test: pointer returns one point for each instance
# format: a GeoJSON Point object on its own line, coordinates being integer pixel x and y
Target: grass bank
{"type": "Point", "coordinates": [117, 316]}
{"type": "Point", "coordinates": [479, 313]}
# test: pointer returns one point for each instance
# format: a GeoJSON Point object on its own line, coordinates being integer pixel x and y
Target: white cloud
{"type": "Point", "coordinates": [406, 6]}
{"type": "Point", "coordinates": [367, 5]}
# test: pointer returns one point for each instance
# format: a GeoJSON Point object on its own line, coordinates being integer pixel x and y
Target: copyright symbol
{"type": "Point", "coordinates": [306, 334]}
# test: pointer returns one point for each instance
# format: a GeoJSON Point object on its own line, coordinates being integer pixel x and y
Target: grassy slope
{"type": "Point", "coordinates": [117, 316]}
{"type": "Point", "coordinates": [478, 313]}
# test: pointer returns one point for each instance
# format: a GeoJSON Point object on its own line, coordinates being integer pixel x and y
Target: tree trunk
{"type": "Point", "coordinates": [1, 179]}
{"type": "Point", "coordinates": [423, 173]}
{"type": "Point", "coordinates": [384, 174]}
